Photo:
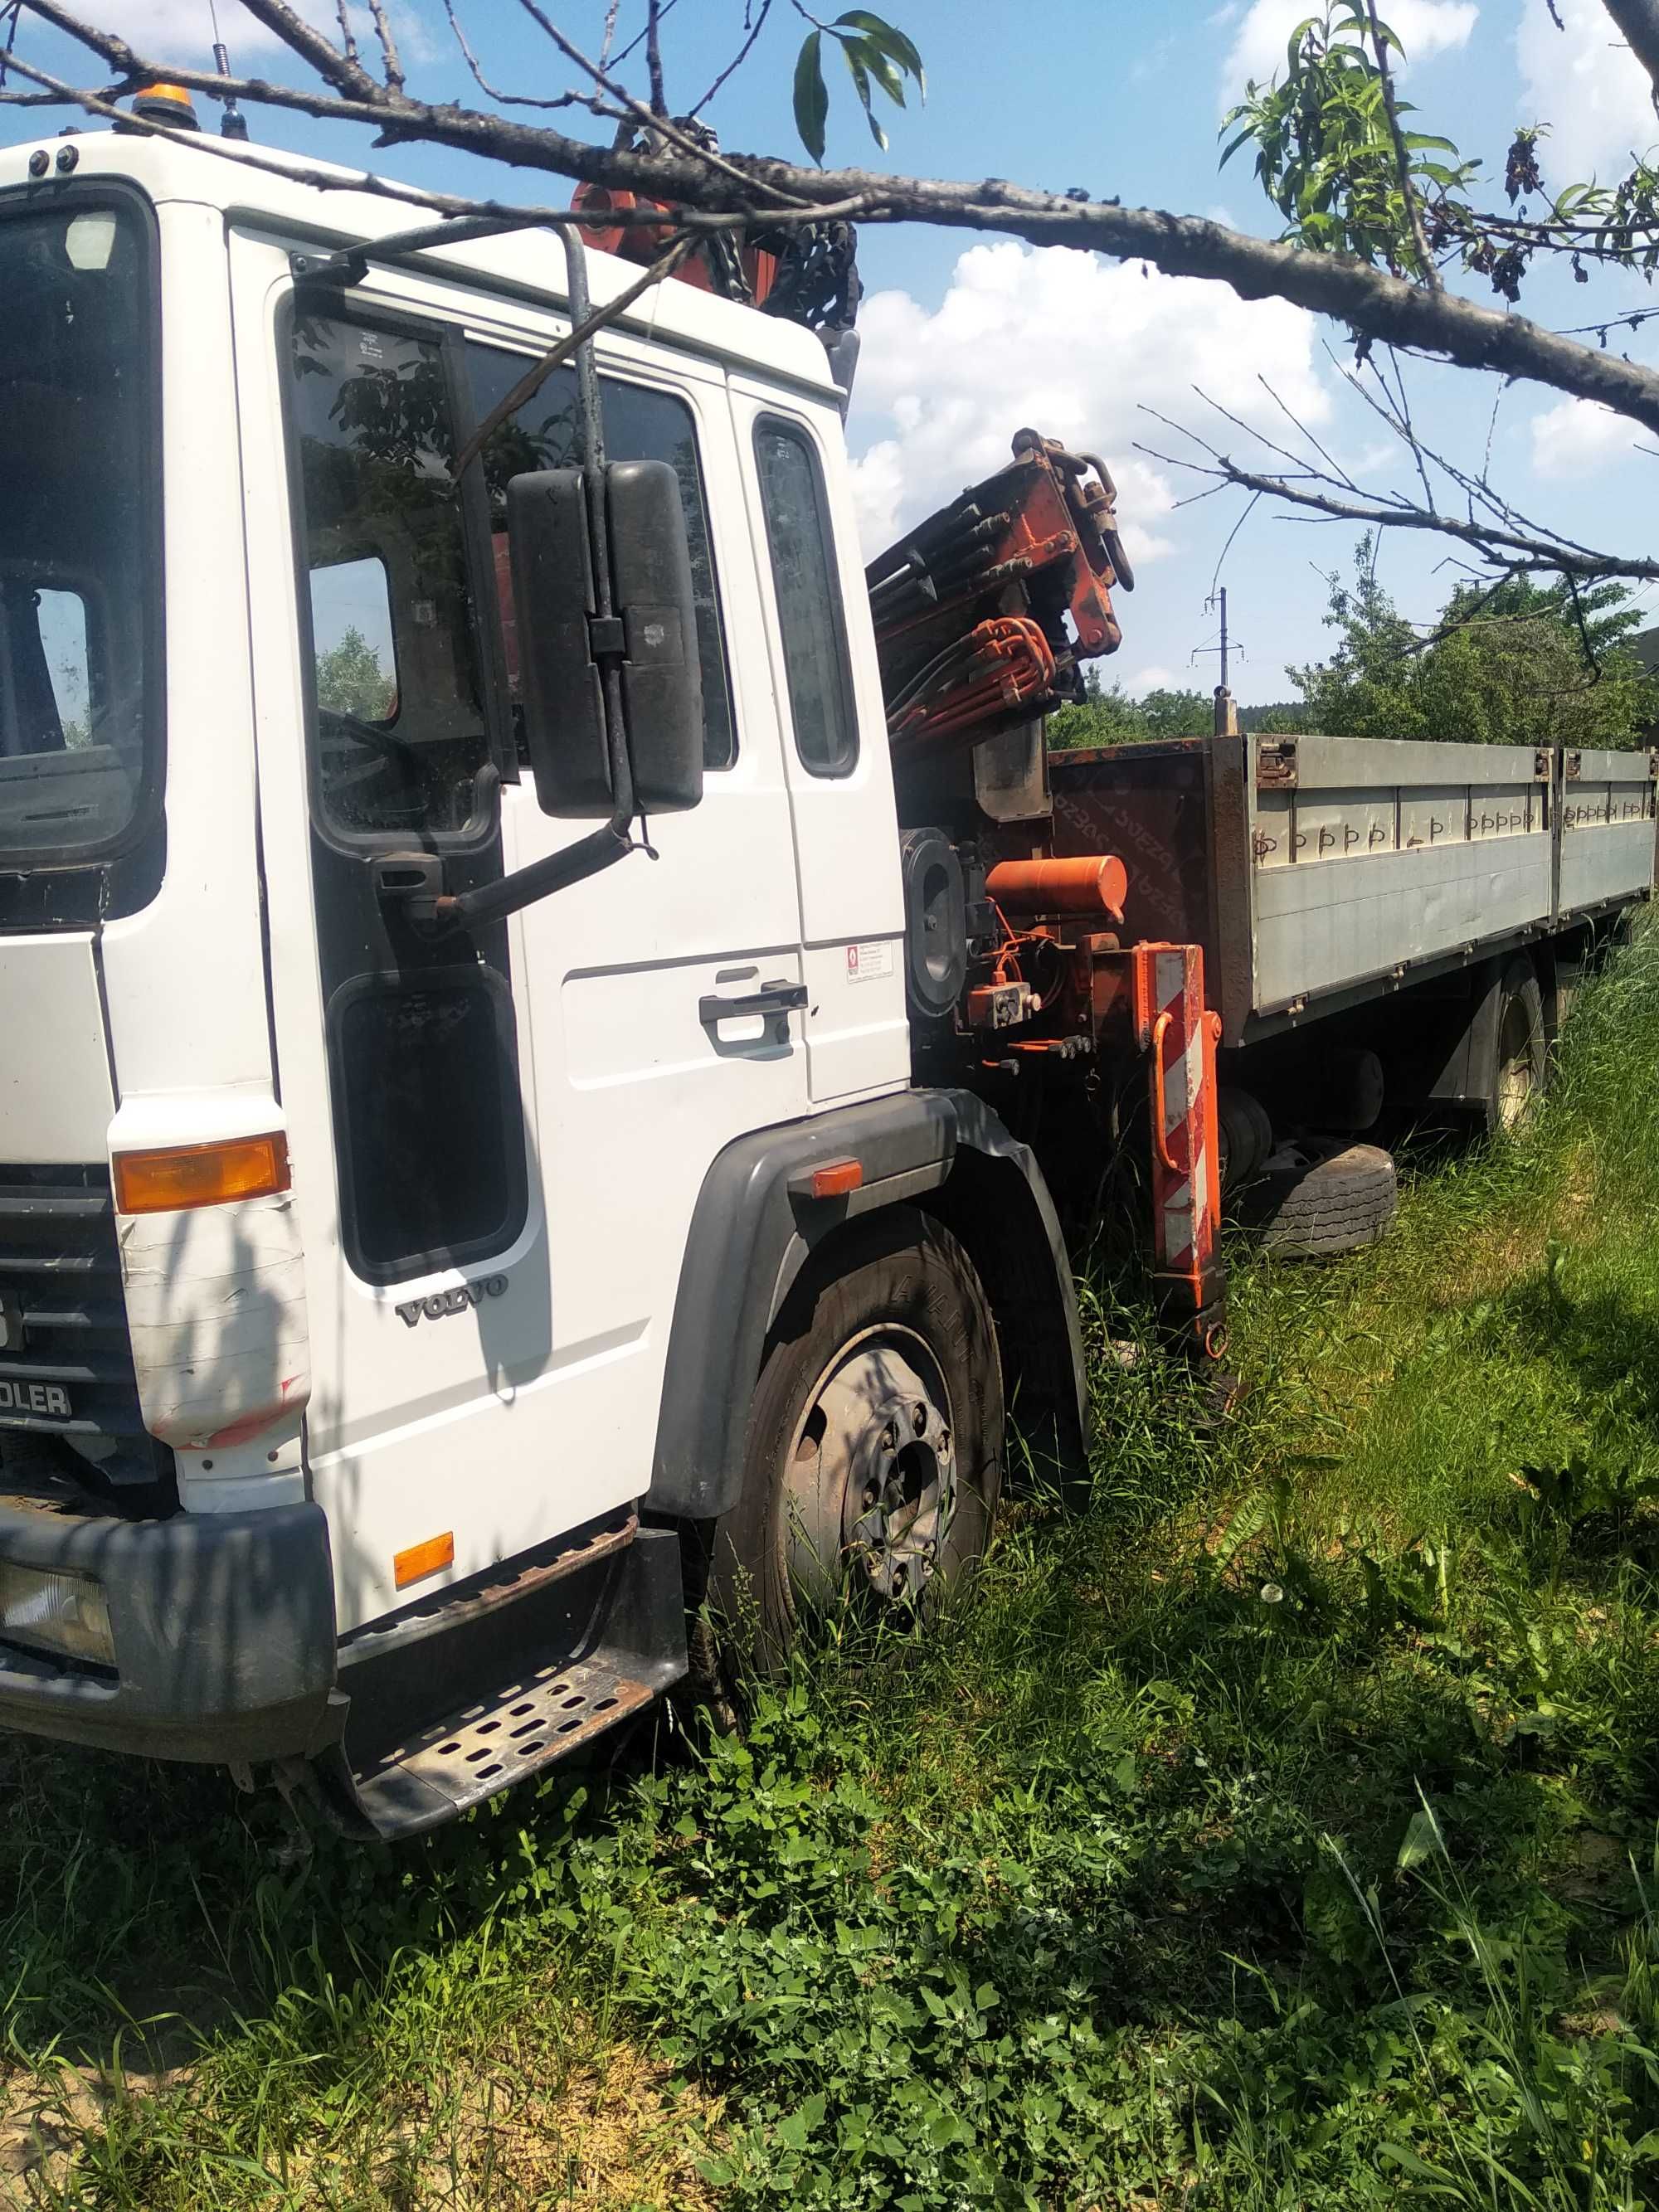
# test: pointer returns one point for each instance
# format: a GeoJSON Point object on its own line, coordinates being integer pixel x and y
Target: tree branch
{"type": "Point", "coordinates": [1431, 275]}
{"type": "Point", "coordinates": [345, 73]}
{"type": "Point", "coordinates": [1638, 20]}
{"type": "Point", "coordinates": [394, 68]}
{"type": "Point", "coordinates": [742, 55]}
{"type": "Point", "coordinates": [1512, 549]}
{"type": "Point", "coordinates": [653, 56]}
{"type": "Point", "coordinates": [1387, 309]}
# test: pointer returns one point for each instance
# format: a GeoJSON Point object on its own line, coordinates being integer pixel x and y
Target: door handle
{"type": "Point", "coordinates": [779, 997]}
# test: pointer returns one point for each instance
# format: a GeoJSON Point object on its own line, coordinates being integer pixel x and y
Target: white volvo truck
{"type": "Point", "coordinates": [508, 1078]}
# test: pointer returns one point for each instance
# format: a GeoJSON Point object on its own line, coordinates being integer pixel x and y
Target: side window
{"type": "Point", "coordinates": [808, 592]}
{"type": "Point", "coordinates": [640, 425]}
{"type": "Point", "coordinates": [401, 729]}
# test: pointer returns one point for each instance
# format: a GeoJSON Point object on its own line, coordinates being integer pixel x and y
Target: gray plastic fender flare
{"type": "Point", "coordinates": [755, 1225]}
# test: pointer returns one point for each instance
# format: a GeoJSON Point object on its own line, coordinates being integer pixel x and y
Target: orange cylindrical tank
{"type": "Point", "coordinates": [1093, 884]}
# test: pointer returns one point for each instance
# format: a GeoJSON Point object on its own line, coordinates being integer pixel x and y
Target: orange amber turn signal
{"type": "Point", "coordinates": [420, 1560]}
{"type": "Point", "coordinates": [180, 1176]}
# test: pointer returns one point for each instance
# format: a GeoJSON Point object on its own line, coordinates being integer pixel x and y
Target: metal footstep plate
{"type": "Point", "coordinates": [498, 1742]}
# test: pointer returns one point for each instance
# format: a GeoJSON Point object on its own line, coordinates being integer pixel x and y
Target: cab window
{"type": "Point", "coordinates": [641, 424]}
{"type": "Point", "coordinates": [401, 730]}
{"type": "Point", "coordinates": [807, 588]}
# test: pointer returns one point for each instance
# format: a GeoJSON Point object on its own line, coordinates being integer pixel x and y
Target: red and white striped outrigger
{"type": "Point", "coordinates": [1179, 1034]}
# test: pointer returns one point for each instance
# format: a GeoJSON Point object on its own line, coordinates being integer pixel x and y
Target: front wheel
{"type": "Point", "coordinates": [873, 1456]}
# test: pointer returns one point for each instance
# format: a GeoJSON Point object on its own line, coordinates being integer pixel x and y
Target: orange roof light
{"type": "Point", "coordinates": [180, 1176]}
{"type": "Point", "coordinates": [166, 103]}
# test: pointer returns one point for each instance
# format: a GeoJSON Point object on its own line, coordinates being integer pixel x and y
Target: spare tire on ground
{"type": "Point", "coordinates": [1313, 1204]}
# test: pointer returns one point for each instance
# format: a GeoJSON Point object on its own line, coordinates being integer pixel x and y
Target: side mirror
{"type": "Point", "coordinates": [563, 645]}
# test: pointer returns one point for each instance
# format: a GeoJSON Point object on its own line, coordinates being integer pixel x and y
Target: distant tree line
{"type": "Point", "coordinates": [1525, 664]}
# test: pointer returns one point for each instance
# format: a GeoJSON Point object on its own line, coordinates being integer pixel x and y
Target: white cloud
{"type": "Point", "coordinates": [1071, 345]}
{"type": "Point", "coordinates": [1426, 28]}
{"type": "Point", "coordinates": [1587, 85]}
{"type": "Point", "coordinates": [1155, 678]}
{"type": "Point", "coordinates": [1577, 435]}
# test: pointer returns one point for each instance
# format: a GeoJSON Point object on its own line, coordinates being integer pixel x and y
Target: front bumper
{"type": "Point", "coordinates": [223, 1631]}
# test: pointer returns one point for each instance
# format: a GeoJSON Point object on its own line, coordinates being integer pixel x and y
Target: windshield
{"type": "Point", "coordinates": [76, 563]}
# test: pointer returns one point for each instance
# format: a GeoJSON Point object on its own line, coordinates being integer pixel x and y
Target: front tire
{"type": "Point", "coordinates": [873, 1455]}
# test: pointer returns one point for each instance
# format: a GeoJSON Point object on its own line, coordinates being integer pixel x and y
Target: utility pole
{"type": "Point", "coordinates": [1226, 713]}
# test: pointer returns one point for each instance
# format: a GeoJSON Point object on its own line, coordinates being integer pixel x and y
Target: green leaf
{"type": "Point", "coordinates": [881, 69]}
{"type": "Point", "coordinates": [1422, 1840]}
{"type": "Point", "coordinates": [812, 95]}
{"type": "Point", "coordinates": [861, 79]}
{"type": "Point", "coordinates": [888, 39]}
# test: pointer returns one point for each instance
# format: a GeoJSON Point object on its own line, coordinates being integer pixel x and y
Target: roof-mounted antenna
{"type": "Point", "coordinates": [233, 123]}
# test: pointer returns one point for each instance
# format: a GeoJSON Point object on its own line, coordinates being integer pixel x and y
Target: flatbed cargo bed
{"type": "Point", "coordinates": [1317, 871]}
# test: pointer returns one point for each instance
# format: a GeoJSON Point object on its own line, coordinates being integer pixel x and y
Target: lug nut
{"type": "Point", "coordinates": [919, 1419]}
{"type": "Point", "coordinates": [870, 1493]}
{"type": "Point", "coordinates": [890, 1437]}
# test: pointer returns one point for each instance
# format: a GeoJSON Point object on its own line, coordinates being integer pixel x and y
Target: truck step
{"type": "Point", "coordinates": [497, 1742]}
{"type": "Point", "coordinates": [507, 1688]}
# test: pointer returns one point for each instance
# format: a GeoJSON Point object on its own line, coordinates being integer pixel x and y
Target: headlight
{"type": "Point", "coordinates": [61, 1613]}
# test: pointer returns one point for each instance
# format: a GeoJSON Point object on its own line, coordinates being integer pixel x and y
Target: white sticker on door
{"type": "Point", "coordinates": [865, 961]}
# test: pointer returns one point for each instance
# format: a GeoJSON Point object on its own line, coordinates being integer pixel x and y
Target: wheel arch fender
{"type": "Point", "coordinates": [756, 1224]}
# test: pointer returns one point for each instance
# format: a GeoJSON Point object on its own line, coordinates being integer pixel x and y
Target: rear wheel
{"type": "Point", "coordinates": [874, 1451]}
{"type": "Point", "coordinates": [1520, 1048]}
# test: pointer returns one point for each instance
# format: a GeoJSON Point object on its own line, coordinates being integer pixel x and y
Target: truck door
{"type": "Point", "coordinates": [836, 760]}
{"type": "Point", "coordinates": [498, 1136]}
{"type": "Point", "coordinates": [639, 1076]}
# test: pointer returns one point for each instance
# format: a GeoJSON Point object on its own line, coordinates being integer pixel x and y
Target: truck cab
{"type": "Point", "coordinates": [382, 1305]}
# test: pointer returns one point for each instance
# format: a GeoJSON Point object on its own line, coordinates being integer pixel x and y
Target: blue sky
{"type": "Point", "coordinates": [965, 340]}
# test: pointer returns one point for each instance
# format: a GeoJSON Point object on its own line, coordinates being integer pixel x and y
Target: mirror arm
{"type": "Point", "coordinates": [508, 894]}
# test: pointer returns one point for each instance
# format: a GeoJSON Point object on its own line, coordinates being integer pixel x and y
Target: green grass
{"type": "Point", "coordinates": [1281, 1832]}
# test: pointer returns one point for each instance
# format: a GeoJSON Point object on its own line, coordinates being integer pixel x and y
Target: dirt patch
{"type": "Point", "coordinates": [615, 2133]}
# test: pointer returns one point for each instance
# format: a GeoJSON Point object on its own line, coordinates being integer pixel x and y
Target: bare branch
{"type": "Point", "coordinates": [608, 38]}
{"type": "Point", "coordinates": [345, 73]}
{"type": "Point", "coordinates": [737, 60]}
{"type": "Point", "coordinates": [1296, 424]}
{"type": "Point", "coordinates": [1402, 160]}
{"type": "Point", "coordinates": [494, 92]}
{"type": "Point", "coordinates": [394, 68]}
{"type": "Point", "coordinates": [657, 124]}
{"type": "Point", "coordinates": [1515, 549]}
{"type": "Point", "coordinates": [348, 36]}
{"type": "Point", "coordinates": [653, 56]}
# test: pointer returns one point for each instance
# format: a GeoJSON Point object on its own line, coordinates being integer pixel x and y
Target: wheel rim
{"type": "Point", "coordinates": [1516, 1083]}
{"type": "Point", "coordinates": [870, 1479]}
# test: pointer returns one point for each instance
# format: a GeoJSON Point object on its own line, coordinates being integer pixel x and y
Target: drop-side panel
{"type": "Point", "coordinates": [1607, 829]}
{"type": "Point", "coordinates": [1318, 930]}
{"type": "Point", "coordinates": [1371, 858]}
